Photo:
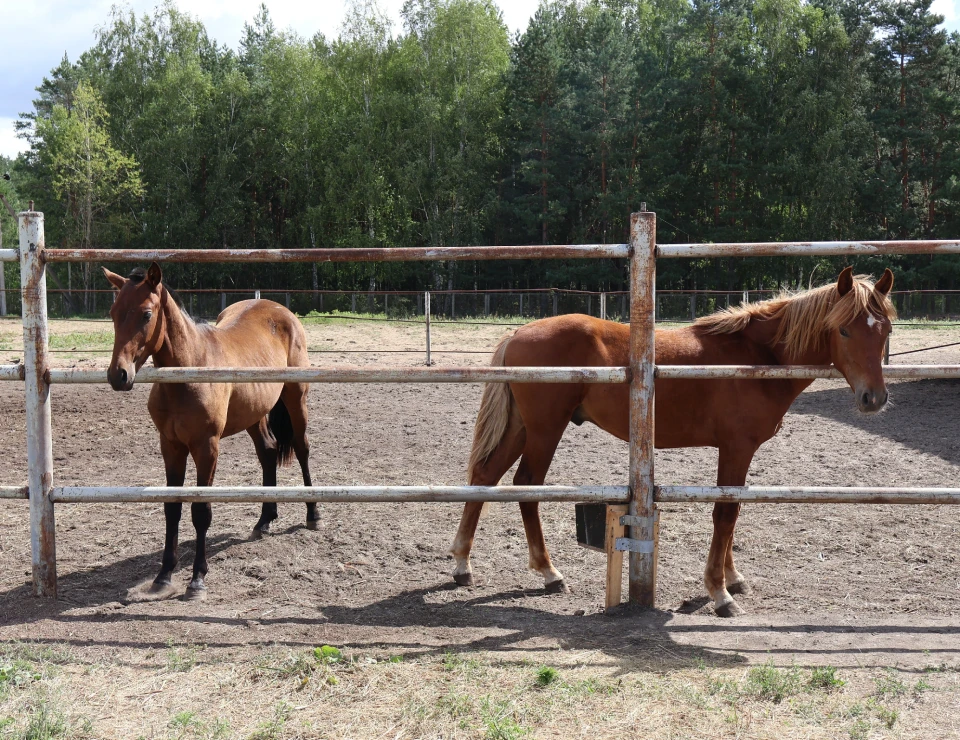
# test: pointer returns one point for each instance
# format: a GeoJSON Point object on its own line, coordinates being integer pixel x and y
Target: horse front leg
{"type": "Point", "coordinates": [205, 457]}
{"type": "Point", "coordinates": [175, 467]}
{"type": "Point", "coordinates": [720, 576]}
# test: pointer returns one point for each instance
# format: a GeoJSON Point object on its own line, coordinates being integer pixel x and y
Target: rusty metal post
{"type": "Point", "coordinates": [643, 552]}
{"type": "Point", "coordinates": [426, 314]}
{"type": "Point", "coordinates": [43, 544]}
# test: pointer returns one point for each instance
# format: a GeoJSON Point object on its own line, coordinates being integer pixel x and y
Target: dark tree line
{"type": "Point", "coordinates": [735, 120]}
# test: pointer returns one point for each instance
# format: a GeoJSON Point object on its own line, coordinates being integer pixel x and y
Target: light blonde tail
{"type": "Point", "coordinates": [494, 416]}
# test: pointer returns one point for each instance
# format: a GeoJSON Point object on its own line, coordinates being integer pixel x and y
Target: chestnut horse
{"type": "Point", "coordinates": [845, 324]}
{"type": "Point", "coordinates": [192, 418]}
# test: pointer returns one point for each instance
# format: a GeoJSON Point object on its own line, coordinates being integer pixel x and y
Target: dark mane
{"type": "Point", "coordinates": [138, 275]}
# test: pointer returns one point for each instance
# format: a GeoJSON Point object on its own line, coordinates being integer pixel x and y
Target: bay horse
{"type": "Point", "coordinates": [845, 324]}
{"type": "Point", "coordinates": [192, 418]}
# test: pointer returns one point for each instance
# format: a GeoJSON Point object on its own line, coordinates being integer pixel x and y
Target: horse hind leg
{"type": "Point", "coordinates": [488, 473]}
{"type": "Point", "coordinates": [266, 447]}
{"type": "Point", "coordinates": [294, 397]}
{"type": "Point", "coordinates": [534, 464]}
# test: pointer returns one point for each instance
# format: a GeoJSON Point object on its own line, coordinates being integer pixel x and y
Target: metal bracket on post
{"type": "Point", "coordinates": [37, 391]}
{"type": "Point", "coordinates": [646, 547]}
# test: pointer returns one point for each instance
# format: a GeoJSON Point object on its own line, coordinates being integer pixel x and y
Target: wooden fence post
{"type": "Point", "coordinates": [643, 540]}
{"type": "Point", "coordinates": [426, 314]}
{"type": "Point", "coordinates": [33, 282]}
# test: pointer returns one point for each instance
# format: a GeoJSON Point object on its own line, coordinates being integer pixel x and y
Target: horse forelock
{"type": "Point", "coordinates": [806, 317]}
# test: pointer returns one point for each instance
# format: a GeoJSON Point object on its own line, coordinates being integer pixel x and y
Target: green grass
{"type": "Point", "coordinates": [825, 678]}
{"type": "Point", "coordinates": [770, 683]}
{"type": "Point", "coordinates": [82, 340]}
{"type": "Point", "coordinates": [546, 676]}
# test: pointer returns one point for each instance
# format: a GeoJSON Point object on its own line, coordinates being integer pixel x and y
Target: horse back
{"type": "Point", "coordinates": [688, 413]}
{"type": "Point", "coordinates": [265, 329]}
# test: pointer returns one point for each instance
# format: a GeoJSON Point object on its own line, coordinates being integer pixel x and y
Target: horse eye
{"type": "Point", "coordinates": [147, 315]}
{"type": "Point", "coordinates": [843, 332]}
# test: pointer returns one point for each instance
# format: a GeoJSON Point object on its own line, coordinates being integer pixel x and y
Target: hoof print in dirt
{"type": "Point", "coordinates": [153, 592]}
{"type": "Point", "coordinates": [557, 587]}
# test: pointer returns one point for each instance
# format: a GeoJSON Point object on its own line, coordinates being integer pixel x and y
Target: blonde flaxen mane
{"type": "Point", "coordinates": [807, 317]}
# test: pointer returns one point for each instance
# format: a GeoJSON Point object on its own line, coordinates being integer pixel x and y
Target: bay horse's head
{"type": "Point", "coordinates": [859, 324]}
{"type": "Point", "coordinates": [138, 326]}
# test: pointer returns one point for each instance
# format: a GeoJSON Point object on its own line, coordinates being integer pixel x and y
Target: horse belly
{"type": "Point", "coordinates": [249, 403]}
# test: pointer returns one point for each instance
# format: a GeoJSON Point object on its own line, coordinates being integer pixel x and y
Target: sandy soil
{"type": "Point", "coordinates": [845, 585]}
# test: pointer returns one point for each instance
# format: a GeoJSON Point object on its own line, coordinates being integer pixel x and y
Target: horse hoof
{"type": "Point", "coordinates": [161, 590]}
{"type": "Point", "coordinates": [557, 587]}
{"type": "Point", "coordinates": [260, 532]}
{"type": "Point", "coordinates": [463, 579]}
{"type": "Point", "coordinates": [195, 594]}
{"type": "Point", "coordinates": [740, 587]}
{"type": "Point", "coordinates": [313, 524]}
{"type": "Point", "coordinates": [730, 609]}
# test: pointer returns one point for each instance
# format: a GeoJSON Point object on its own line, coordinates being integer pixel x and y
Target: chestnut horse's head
{"type": "Point", "coordinates": [138, 325]}
{"type": "Point", "coordinates": [859, 324]}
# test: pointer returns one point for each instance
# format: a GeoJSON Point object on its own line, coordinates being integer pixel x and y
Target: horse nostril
{"type": "Point", "coordinates": [122, 376]}
{"type": "Point", "coordinates": [864, 399]}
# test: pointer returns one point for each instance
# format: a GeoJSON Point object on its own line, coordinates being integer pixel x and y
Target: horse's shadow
{"type": "Point", "coordinates": [919, 413]}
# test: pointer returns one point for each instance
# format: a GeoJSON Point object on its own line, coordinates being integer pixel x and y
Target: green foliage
{"type": "Point", "coordinates": [756, 120]}
{"type": "Point", "coordinates": [770, 683]}
{"type": "Point", "coordinates": [889, 685]}
{"type": "Point", "coordinates": [825, 678]}
{"type": "Point", "coordinates": [547, 675]}
{"type": "Point", "coordinates": [500, 722]}
{"type": "Point", "coordinates": [328, 654]}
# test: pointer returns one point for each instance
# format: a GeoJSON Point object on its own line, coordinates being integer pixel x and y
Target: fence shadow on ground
{"type": "Point", "coordinates": [917, 416]}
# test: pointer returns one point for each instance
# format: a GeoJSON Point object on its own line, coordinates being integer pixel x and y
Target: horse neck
{"type": "Point", "coordinates": [765, 332]}
{"type": "Point", "coordinates": [181, 341]}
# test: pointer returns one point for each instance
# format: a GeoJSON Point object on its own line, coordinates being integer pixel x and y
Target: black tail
{"type": "Point", "coordinates": [282, 429]}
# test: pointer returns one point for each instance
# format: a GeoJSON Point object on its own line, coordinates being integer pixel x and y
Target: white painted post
{"type": "Point", "coordinates": [603, 306]}
{"type": "Point", "coordinates": [643, 529]}
{"type": "Point", "coordinates": [256, 294]}
{"type": "Point", "coordinates": [486, 304]}
{"type": "Point", "coordinates": [43, 543]}
{"type": "Point", "coordinates": [426, 313]}
{"type": "Point", "coordinates": [693, 307]}
{"type": "Point", "coordinates": [223, 302]}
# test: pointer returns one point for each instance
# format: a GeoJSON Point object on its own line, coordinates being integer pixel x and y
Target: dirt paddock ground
{"type": "Point", "coordinates": [851, 628]}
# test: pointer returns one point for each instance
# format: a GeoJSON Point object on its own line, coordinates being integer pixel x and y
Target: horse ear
{"type": "Point", "coordinates": [885, 283]}
{"type": "Point", "coordinates": [154, 275]}
{"type": "Point", "coordinates": [845, 281]}
{"type": "Point", "coordinates": [115, 280]}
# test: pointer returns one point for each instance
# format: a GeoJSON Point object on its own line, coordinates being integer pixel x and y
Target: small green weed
{"type": "Point", "coordinates": [546, 676]}
{"type": "Point", "coordinates": [181, 659]}
{"type": "Point", "coordinates": [890, 686]}
{"type": "Point", "coordinates": [499, 721]}
{"type": "Point", "coordinates": [860, 730]}
{"type": "Point", "coordinates": [44, 723]}
{"type": "Point", "coordinates": [825, 678]}
{"type": "Point", "coordinates": [921, 685]}
{"type": "Point", "coordinates": [770, 683]}
{"type": "Point", "coordinates": [328, 654]}
{"type": "Point", "coordinates": [886, 715]}
{"type": "Point", "coordinates": [273, 728]}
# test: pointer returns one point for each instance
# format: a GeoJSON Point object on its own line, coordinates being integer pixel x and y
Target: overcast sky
{"type": "Point", "coordinates": [35, 36]}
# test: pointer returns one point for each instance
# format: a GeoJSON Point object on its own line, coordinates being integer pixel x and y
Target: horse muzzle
{"type": "Point", "coordinates": [120, 379]}
{"type": "Point", "coordinates": [871, 401]}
